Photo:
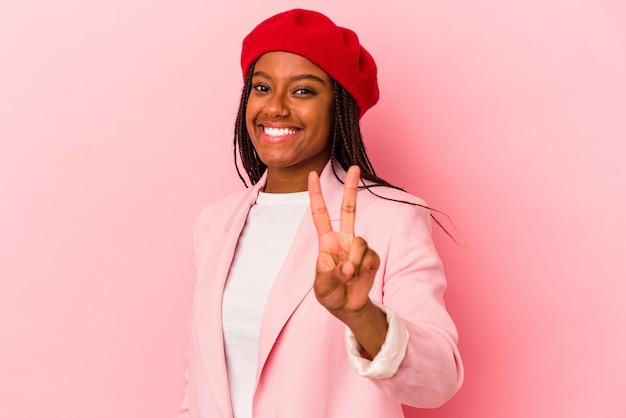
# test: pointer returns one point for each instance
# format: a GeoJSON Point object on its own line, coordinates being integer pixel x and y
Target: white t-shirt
{"type": "Point", "coordinates": [261, 250]}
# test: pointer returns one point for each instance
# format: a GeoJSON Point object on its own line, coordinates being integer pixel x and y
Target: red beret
{"type": "Point", "coordinates": [334, 49]}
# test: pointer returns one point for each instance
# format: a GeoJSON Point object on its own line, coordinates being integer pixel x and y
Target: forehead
{"type": "Point", "coordinates": [287, 64]}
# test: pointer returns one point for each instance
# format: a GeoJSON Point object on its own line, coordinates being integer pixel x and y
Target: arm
{"type": "Point", "coordinates": [424, 371]}
{"type": "Point", "coordinates": [413, 287]}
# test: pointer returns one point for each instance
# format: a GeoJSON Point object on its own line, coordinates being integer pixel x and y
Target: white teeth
{"type": "Point", "coordinates": [279, 131]}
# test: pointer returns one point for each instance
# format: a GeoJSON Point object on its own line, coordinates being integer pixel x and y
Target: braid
{"type": "Point", "coordinates": [242, 144]}
{"type": "Point", "coordinates": [348, 147]}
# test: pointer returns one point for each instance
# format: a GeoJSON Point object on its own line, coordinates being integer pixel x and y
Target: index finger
{"type": "Point", "coordinates": [321, 219]}
{"type": "Point", "coordinates": [348, 202]}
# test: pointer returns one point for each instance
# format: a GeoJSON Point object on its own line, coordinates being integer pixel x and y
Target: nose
{"type": "Point", "coordinates": [276, 106]}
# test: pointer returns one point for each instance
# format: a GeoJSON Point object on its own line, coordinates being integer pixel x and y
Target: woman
{"type": "Point", "coordinates": [294, 315]}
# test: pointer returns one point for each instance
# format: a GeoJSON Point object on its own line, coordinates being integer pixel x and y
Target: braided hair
{"type": "Point", "coordinates": [347, 146]}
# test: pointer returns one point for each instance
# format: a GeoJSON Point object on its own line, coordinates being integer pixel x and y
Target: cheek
{"type": "Point", "coordinates": [321, 116]}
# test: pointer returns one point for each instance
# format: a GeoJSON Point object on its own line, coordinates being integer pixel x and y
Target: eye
{"type": "Point", "coordinates": [303, 91]}
{"type": "Point", "coordinates": [260, 88]}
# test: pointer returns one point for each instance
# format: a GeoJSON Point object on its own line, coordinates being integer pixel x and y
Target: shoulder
{"type": "Point", "coordinates": [220, 211]}
{"type": "Point", "coordinates": [372, 195]}
{"type": "Point", "coordinates": [388, 212]}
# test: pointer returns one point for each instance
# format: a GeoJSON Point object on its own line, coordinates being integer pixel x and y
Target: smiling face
{"type": "Point", "coordinates": [289, 118]}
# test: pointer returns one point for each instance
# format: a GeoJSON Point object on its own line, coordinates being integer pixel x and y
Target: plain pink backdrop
{"type": "Point", "coordinates": [116, 128]}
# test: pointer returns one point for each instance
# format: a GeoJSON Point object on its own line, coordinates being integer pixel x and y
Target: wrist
{"type": "Point", "coordinates": [368, 324]}
{"type": "Point", "coordinates": [360, 314]}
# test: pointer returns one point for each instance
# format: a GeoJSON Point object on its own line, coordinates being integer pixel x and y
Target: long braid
{"type": "Point", "coordinates": [348, 146]}
{"type": "Point", "coordinates": [242, 144]}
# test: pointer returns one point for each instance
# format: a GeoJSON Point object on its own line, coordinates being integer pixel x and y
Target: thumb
{"type": "Point", "coordinates": [347, 270]}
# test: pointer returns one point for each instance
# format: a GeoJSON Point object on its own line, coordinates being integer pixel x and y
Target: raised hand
{"type": "Point", "coordinates": [346, 266]}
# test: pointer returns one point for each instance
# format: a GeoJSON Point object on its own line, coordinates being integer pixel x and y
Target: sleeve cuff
{"type": "Point", "coordinates": [391, 354]}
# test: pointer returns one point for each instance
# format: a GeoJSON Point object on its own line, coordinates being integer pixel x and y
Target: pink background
{"type": "Point", "coordinates": [115, 129]}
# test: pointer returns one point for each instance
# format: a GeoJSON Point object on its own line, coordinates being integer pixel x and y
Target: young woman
{"type": "Point", "coordinates": [318, 291]}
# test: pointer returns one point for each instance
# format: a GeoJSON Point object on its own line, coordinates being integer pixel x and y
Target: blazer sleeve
{"type": "Point", "coordinates": [413, 288]}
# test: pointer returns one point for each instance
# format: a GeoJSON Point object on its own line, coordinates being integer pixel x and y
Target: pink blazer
{"type": "Point", "coordinates": [303, 368]}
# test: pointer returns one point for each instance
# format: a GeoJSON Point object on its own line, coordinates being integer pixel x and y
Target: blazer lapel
{"type": "Point", "coordinates": [296, 276]}
{"type": "Point", "coordinates": [213, 267]}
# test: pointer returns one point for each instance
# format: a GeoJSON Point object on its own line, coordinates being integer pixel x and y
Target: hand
{"type": "Point", "coordinates": [346, 266]}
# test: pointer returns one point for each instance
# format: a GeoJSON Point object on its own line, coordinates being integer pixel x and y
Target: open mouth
{"type": "Point", "coordinates": [276, 132]}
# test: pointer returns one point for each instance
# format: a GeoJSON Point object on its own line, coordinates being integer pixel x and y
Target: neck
{"type": "Point", "coordinates": [275, 187]}
{"type": "Point", "coordinates": [289, 180]}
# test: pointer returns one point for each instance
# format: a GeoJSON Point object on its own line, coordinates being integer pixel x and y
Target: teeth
{"type": "Point", "coordinates": [279, 131]}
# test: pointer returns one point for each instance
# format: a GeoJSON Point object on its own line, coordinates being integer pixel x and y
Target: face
{"type": "Point", "coordinates": [289, 114]}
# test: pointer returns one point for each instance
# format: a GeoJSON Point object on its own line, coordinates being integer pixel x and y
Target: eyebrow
{"type": "Point", "coordinates": [294, 78]}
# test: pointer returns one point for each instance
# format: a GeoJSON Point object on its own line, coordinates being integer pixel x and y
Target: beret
{"type": "Point", "coordinates": [334, 49]}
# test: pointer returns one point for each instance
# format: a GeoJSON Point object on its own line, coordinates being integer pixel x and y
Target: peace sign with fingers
{"type": "Point", "coordinates": [346, 266]}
